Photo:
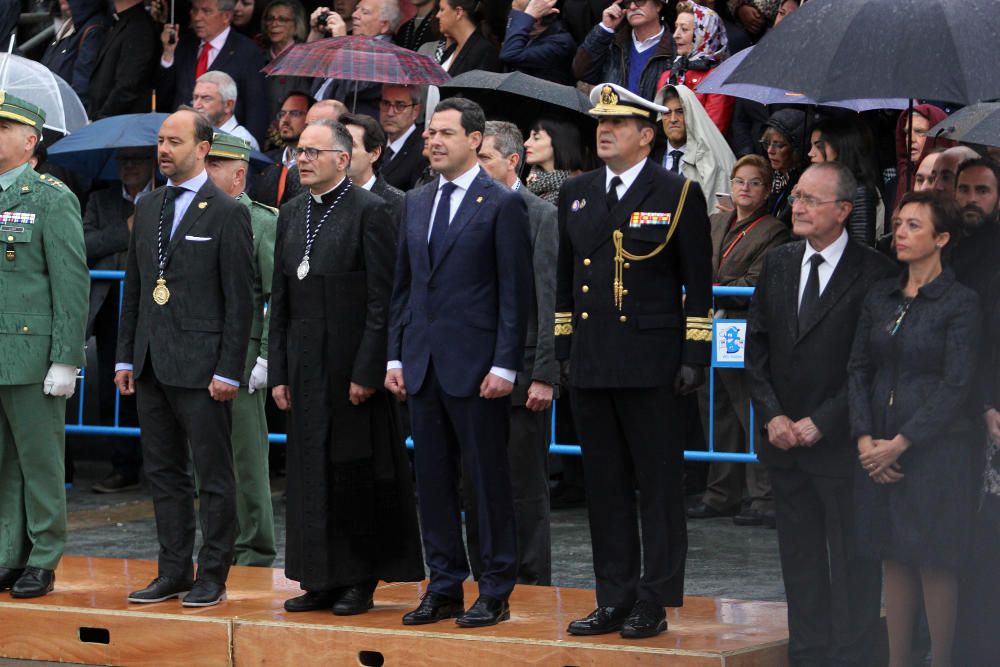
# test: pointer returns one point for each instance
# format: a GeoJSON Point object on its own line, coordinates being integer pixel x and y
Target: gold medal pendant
{"type": "Point", "coordinates": [161, 294]}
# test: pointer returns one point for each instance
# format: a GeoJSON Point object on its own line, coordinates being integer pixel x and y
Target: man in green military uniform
{"type": "Point", "coordinates": [44, 293]}
{"type": "Point", "coordinates": [227, 165]}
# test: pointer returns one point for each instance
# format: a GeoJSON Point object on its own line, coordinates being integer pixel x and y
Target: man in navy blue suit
{"type": "Point", "coordinates": [456, 336]}
{"type": "Point", "coordinates": [212, 44]}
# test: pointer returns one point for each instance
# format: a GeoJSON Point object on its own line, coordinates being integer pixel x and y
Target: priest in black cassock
{"type": "Point", "coordinates": [351, 514]}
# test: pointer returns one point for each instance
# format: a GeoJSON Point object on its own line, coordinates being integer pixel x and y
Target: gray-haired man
{"type": "Point", "coordinates": [215, 98]}
{"type": "Point", "coordinates": [500, 155]}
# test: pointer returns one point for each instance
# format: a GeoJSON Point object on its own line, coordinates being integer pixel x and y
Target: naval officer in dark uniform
{"type": "Point", "coordinates": [632, 236]}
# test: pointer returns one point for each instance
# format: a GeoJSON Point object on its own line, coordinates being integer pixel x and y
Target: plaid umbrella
{"type": "Point", "coordinates": [358, 59]}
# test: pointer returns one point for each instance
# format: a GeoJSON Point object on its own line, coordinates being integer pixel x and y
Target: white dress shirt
{"type": "Point", "coordinates": [233, 127]}
{"type": "Point", "coordinates": [668, 160]}
{"type": "Point", "coordinates": [216, 45]}
{"type": "Point", "coordinates": [397, 145]}
{"type": "Point", "coordinates": [462, 183]}
{"type": "Point", "coordinates": [628, 177]}
{"type": "Point", "coordinates": [645, 44]}
{"type": "Point", "coordinates": [369, 184]}
{"type": "Point", "coordinates": [831, 257]}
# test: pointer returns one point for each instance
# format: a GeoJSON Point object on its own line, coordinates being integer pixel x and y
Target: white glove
{"type": "Point", "coordinates": [60, 380]}
{"type": "Point", "coordinates": [258, 376]}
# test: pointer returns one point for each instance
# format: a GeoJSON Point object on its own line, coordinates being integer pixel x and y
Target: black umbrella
{"type": "Point", "coordinates": [842, 49]}
{"type": "Point", "coordinates": [513, 85]}
{"type": "Point", "coordinates": [976, 124]}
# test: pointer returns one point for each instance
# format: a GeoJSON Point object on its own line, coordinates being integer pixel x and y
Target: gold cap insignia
{"type": "Point", "coordinates": [608, 96]}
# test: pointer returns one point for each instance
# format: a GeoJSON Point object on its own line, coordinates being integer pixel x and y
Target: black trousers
{"type": "Point", "coordinates": [528, 453]}
{"type": "Point", "coordinates": [449, 432]}
{"type": "Point", "coordinates": [629, 437]}
{"type": "Point", "coordinates": [174, 422]}
{"type": "Point", "coordinates": [834, 598]}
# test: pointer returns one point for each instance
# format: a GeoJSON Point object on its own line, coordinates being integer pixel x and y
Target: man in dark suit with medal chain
{"type": "Point", "coordinates": [185, 327]}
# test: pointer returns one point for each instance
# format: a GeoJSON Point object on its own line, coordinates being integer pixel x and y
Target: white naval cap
{"type": "Point", "coordinates": [610, 99]}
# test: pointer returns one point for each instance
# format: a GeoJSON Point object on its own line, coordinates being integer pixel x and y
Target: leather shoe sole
{"type": "Point", "coordinates": [629, 632]}
{"type": "Point", "coordinates": [202, 603]}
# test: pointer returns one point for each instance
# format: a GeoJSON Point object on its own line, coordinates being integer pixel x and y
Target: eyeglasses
{"type": "Point", "coordinates": [633, 3]}
{"type": "Point", "coordinates": [776, 145]}
{"type": "Point", "coordinates": [313, 153]}
{"type": "Point", "coordinates": [294, 113]}
{"type": "Point", "coordinates": [396, 107]}
{"type": "Point", "coordinates": [810, 202]}
{"type": "Point", "coordinates": [753, 182]}
{"type": "Point", "coordinates": [281, 20]}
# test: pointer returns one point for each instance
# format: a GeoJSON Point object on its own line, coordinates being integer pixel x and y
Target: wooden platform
{"type": "Point", "coordinates": [87, 620]}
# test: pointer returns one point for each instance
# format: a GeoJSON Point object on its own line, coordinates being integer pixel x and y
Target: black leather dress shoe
{"type": "Point", "coordinates": [646, 620]}
{"type": "Point", "coordinates": [484, 612]}
{"type": "Point", "coordinates": [703, 511]}
{"type": "Point", "coordinates": [601, 621]}
{"type": "Point", "coordinates": [8, 575]}
{"type": "Point", "coordinates": [34, 582]}
{"type": "Point", "coordinates": [204, 594]}
{"type": "Point", "coordinates": [355, 600]}
{"type": "Point", "coordinates": [311, 601]}
{"type": "Point", "coordinates": [434, 607]}
{"type": "Point", "coordinates": [160, 589]}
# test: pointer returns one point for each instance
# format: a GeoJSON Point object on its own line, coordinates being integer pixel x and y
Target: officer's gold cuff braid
{"type": "Point", "coordinates": [699, 328]}
{"type": "Point", "coordinates": [618, 286]}
{"type": "Point", "coordinates": [564, 324]}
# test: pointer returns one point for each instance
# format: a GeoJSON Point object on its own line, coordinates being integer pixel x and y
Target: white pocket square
{"type": "Point", "coordinates": [197, 238]}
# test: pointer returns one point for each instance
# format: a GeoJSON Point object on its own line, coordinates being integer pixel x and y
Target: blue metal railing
{"type": "Point", "coordinates": [80, 428]}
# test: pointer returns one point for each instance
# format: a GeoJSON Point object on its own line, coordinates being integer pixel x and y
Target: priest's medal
{"type": "Point", "coordinates": [303, 269]}
{"type": "Point", "coordinates": [161, 294]}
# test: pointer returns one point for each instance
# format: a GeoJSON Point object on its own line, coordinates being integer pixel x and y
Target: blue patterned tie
{"type": "Point", "coordinates": [439, 228]}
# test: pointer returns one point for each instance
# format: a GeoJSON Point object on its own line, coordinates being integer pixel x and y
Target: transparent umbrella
{"type": "Point", "coordinates": [33, 82]}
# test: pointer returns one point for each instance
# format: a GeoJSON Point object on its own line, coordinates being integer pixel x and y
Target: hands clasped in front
{"type": "Point", "coordinates": [879, 458]}
{"type": "Point", "coordinates": [785, 434]}
{"type": "Point", "coordinates": [492, 386]}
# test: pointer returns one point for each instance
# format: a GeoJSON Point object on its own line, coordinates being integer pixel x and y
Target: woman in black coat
{"type": "Point", "coordinates": [911, 373]}
{"type": "Point", "coordinates": [467, 48]}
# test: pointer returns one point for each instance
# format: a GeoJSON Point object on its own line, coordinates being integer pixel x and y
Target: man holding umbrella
{"type": "Point", "coordinates": [227, 165]}
{"type": "Point", "coordinates": [632, 235]}
{"type": "Point", "coordinates": [43, 304]}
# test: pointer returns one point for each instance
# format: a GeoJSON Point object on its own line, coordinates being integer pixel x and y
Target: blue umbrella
{"type": "Point", "coordinates": [717, 83]}
{"type": "Point", "coordinates": [92, 150]}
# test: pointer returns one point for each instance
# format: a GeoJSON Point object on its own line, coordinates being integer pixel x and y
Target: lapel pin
{"type": "Point", "coordinates": [479, 199]}
{"type": "Point", "coordinates": [583, 202]}
{"type": "Point", "coordinates": [575, 205]}
{"type": "Point", "coordinates": [25, 188]}
{"type": "Point", "coordinates": [202, 204]}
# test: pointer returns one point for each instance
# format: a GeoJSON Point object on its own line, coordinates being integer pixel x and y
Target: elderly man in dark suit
{"type": "Point", "coordinates": [456, 340]}
{"type": "Point", "coordinates": [531, 415]}
{"type": "Point", "coordinates": [212, 44]}
{"type": "Point", "coordinates": [185, 328]}
{"type": "Point", "coordinates": [801, 325]}
{"type": "Point", "coordinates": [369, 144]}
{"type": "Point", "coordinates": [403, 162]}
{"type": "Point", "coordinates": [123, 71]}
{"type": "Point", "coordinates": [631, 235]}
{"type": "Point", "coordinates": [107, 225]}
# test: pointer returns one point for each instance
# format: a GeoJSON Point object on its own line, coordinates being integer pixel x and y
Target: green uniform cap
{"type": "Point", "coordinates": [14, 108]}
{"type": "Point", "coordinates": [228, 147]}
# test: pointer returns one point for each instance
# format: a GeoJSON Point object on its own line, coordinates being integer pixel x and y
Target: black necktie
{"type": "Point", "coordinates": [167, 213]}
{"type": "Point", "coordinates": [612, 196]}
{"type": "Point", "coordinates": [676, 156]}
{"type": "Point", "coordinates": [439, 228]}
{"type": "Point", "coordinates": [388, 153]}
{"type": "Point", "coordinates": [810, 297]}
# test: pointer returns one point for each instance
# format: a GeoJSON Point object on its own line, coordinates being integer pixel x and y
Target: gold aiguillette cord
{"type": "Point", "coordinates": [621, 254]}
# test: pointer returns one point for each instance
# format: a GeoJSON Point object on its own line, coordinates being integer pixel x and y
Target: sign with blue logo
{"type": "Point", "coordinates": [729, 343]}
